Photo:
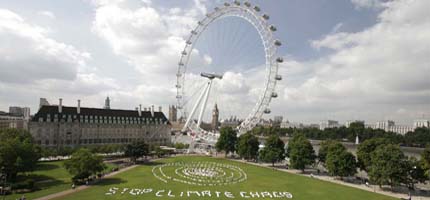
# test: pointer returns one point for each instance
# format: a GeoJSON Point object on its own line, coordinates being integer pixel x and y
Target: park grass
{"type": "Point", "coordinates": [259, 179]}
{"type": "Point", "coordinates": [50, 177]}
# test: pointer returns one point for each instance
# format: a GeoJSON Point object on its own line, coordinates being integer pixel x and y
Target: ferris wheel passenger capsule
{"type": "Point", "coordinates": [226, 4]}
{"type": "Point", "coordinates": [266, 17]}
{"type": "Point", "coordinates": [273, 28]}
{"type": "Point", "coordinates": [189, 42]}
{"type": "Point", "coordinates": [216, 8]}
{"type": "Point", "coordinates": [256, 8]}
{"type": "Point", "coordinates": [278, 43]}
{"type": "Point", "coordinates": [274, 94]}
{"type": "Point", "coordinates": [194, 32]}
{"type": "Point", "coordinates": [237, 2]}
{"type": "Point", "coordinates": [178, 96]}
{"type": "Point", "coordinates": [267, 111]}
{"type": "Point", "coordinates": [278, 77]}
{"type": "Point", "coordinates": [247, 4]}
{"type": "Point", "coordinates": [200, 23]}
{"type": "Point", "coordinates": [279, 60]}
{"type": "Point", "coordinates": [184, 53]}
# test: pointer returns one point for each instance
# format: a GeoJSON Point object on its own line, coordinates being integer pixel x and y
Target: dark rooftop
{"type": "Point", "coordinates": [44, 111]}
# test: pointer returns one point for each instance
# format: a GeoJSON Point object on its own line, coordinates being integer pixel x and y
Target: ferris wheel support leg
{"type": "Point", "coordinates": [202, 110]}
{"type": "Point", "coordinates": [194, 108]}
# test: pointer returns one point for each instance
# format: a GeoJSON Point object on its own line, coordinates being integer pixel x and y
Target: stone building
{"type": "Point", "coordinates": [56, 126]}
{"type": "Point", "coordinates": [173, 113]}
{"type": "Point", "coordinates": [215, 118]}
{"type": "Point", "coordinates": [8, 120]}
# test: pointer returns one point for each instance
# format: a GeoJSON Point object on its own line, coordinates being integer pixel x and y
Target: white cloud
{"type": "Point", "coordinates": [26, 48]}
{"type": "Point", "coordinates": [368, 3]}
{"type": "Point", "coordinates": [147, 38]}
{"type": "Point", "coordinates": [46, 13]}
{"type": "Point", "coordinates": [34, 65]}
{"type": "Point", "coordinates": [385, 66]}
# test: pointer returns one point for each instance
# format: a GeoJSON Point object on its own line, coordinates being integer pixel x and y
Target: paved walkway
{"type": "Point", "coordinates": [371, 188]}
{"type": "Point", "coordinates": [82, 187]}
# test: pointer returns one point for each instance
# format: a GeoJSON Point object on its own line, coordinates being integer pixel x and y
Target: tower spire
{"type": "Point", "coordinates": [107, 103]}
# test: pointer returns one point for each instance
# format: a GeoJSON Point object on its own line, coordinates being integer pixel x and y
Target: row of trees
{"type": "Point", "coordinates": [386, 164]}
{"type": "Point", "coordinates": [419, 137]}
{"type": "Point", "coordinates": [383, 160]}
{"type": "Point", "coordinates": [247, 146]}
{"type": "Point", "coordinates": [66, 151]}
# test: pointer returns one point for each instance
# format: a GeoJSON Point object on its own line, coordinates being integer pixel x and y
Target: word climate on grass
{"type": "Point", "coordinates": [196, 194]}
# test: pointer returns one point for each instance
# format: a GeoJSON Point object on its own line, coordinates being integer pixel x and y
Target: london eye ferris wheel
{"type": "Point", "coordinates": [233, 44]}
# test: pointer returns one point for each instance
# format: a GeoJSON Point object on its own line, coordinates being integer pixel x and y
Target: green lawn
{"type": "Point", "coordinates": [50, 177]}
{"type": "Point", "coordinates": [258, 180]}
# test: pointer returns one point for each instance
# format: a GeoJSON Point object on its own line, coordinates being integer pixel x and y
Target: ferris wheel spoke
{"type": "Point", "coordinates": [231, 34]}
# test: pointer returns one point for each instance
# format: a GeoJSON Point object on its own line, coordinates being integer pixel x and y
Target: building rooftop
{"type": "Point", "coordinates": [46, 110]}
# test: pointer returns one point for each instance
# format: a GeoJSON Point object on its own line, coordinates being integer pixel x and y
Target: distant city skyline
{"type": "Point", "coordinates": [344, 60]}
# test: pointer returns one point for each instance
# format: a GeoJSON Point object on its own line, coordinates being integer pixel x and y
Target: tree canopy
{"type": "Point", "coordinates": [340, 162]}
{"type": "Point", "coordinates": [300, 152]}
{"type": "Point", "coordinates": [322, 152]}
{"type": "Point", "coordinates": [83, 164]}
{"type": "Point", "coordinates": [247, 146]}
{"type": "Point", "coordinates": [365, 150]}
{"type": "Point", "coordinates": [136, 150]}
{"type": "Point", "coordinates": [227, 141]}
{"type": "Point", "coordinates": [18, 153]}
{"type": "Point", "coordinates": [419, 137]}
{"type": "Point", "coordinates": [388, 165]}
{"type": "Point", "coordinates": [274, 150]}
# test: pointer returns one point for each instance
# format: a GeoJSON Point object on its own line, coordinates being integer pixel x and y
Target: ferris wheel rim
{"type": "Point", "coordinates": [265, 31]}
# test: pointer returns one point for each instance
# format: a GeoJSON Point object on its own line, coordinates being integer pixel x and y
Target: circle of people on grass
{"type": "Point", "coordinates": [200, 173]}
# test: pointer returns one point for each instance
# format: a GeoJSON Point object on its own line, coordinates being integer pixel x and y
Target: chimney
{"type": "Point", "coordinates": [144, 109]}
{"type": "Point", "coordinates": [152, 110]}
{"type": "Point", "coordinates": [79, 107]}
{"type": "Point", "coordinates": [60, 106]}
{"type": "Point", "coordinates": [159, 109]}
{"type": "Point", "coordinates": [140, 110]}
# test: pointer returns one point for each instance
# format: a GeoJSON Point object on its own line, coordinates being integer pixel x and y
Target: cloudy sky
{"type": "Point", "coordinates": [344, 59]}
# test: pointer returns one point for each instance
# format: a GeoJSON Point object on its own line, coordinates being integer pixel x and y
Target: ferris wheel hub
{"type": "Point", "coordinates": [210, 75]}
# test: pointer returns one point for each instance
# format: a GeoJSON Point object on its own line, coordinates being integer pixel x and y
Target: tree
{"type": "Point", "coordinates": [301, 152]}
{"type": "Point", "coordinates": [322, 152]}
{"type": "Point", "coordinates": [247, 146]}
{"type": "Point", "coordinates": [388, 166]}
{"type": "Point", "coordinates": [83, 164]}
{"type": "Point", "coordinates": [365, 149]}
{"type": "Point", "coordinates": [18, 153]}
{"type": "Point", "coordinates": [160, 152]}
{"type": "Point", "coordinates": [181, 146]}
{"type": "Point", "coordinates": [416, 173]}
{"type": "Point", "coordinates": [136, 150]}
{"type": "Point", "coordinates": [227, 140]}
{"type": "Point", "coordinates": [273, 151]}
{"type": "Point", "coordinates": [425, 160]}
{"type": "Point", "coordinates": [340, 162]}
